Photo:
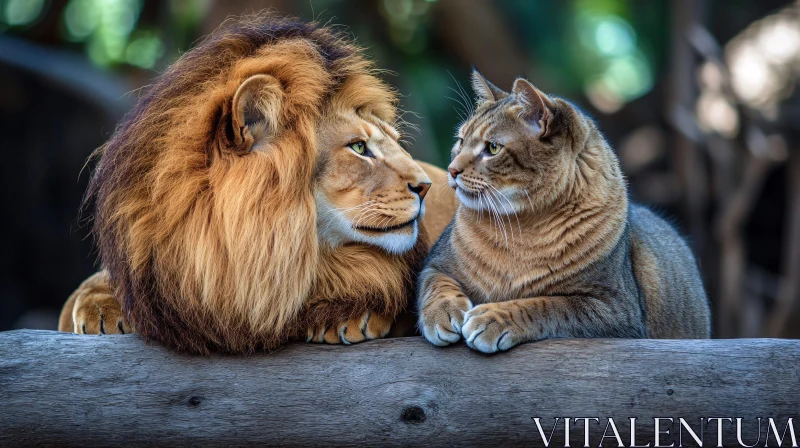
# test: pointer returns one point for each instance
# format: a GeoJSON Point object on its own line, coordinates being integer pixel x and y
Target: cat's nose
{"type": "Point", "coordinates": [421, 189]}
{"type": "Point", "coordinates": [455, 172]}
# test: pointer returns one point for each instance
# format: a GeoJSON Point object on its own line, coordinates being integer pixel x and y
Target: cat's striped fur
{"type": "Point", "coordinates": [545, 243]}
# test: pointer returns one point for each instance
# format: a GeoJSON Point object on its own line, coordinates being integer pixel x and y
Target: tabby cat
{"type": "Point", "coordinates": [545, 243]}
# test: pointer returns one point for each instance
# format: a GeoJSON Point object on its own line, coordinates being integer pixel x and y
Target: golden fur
{"type": "Point", "coordinates": [544, 243]}
{"type": "Point", "coordinates": [92, 308]}
{"type": "Point", "coordinates": [207, 195]}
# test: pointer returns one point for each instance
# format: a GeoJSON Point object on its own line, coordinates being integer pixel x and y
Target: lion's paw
{"type": "Point", "coordinates": [368, 326]}
{"type": "Point", "coordinates": [490, 328]}
{"type": "Point", "coordinates": [441, 320]}
{"type": "Point", "coordinates": [98, 313]}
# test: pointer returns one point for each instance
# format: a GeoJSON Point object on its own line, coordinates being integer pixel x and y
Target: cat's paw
{"type": "Point", "coordinates": [441, 320]}
{"type": "Point", "coordinates": [490, 328]}
{"type": "Point", "coordinates": [98, 313]}
{"type": "Point", "coordinates": [368, 326]}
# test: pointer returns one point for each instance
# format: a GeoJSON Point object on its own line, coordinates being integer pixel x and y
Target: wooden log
{"type": "Point", "coordinates": [61, 389]}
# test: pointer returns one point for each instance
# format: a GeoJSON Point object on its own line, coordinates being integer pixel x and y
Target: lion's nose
{"type": "Point", "coordinates": [454, 172]}
{"type": "Point", "coordinates": [421, 189]}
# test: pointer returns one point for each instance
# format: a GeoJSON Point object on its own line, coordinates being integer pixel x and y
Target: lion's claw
{"type": "Point", "coordinates": [95, 310]}
{"type": "Point", "coordinates": [368, 326]}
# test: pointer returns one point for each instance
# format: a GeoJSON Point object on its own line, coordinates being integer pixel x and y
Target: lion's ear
{"type": "Point", "coordinates": [255, 113]}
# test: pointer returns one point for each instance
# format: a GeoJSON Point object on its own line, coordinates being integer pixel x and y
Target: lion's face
{"type": "Point", "coordinates": [368, 189]}
{"type": "Point", "coordinates": [217, 192]}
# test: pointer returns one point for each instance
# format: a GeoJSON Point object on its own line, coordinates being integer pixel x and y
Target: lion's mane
{"type": "Point", "coordinates": [208, 249]}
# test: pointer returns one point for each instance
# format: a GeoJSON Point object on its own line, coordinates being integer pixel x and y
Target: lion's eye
{"type": "Point", "coordinates": [360, 147]}
{"type": "Point", "coordinates": [493, 147]}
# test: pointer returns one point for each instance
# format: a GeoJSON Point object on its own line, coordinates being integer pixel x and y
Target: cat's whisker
{"type": "Point", "coordinates": [465, 109]}
{"type": "Point", "coordinates": [495, 202]}
{"type": "Point", "coordinates": [513, 210]}
{"type": "Point", "coordinates": [530, 202]}
{"type": "Point", "coordinates": [500, 222]}
{"type": "Point", "coordinates": [466, 96]}
{"type": "Point", "coordinates": [488, 209]}
{"type": "Point", "coordinates": [465, 102]}
{"type": "Point", "coordinates": [492, 217]}
{"type": "Point", "coordinates": [483, 205]}
{"type": "Point", "coordinates": [437, 188]}
{"type": "Point", "coordinates": [443, 185]}
{"type": "Point", "coordinates": [461, 114]}
{"type": "Point", "coordinates": [480, 203]}
{"type": "Point", "coordinates": [503, 216]}
{"type": "Point", "coordinates": [485, 200]}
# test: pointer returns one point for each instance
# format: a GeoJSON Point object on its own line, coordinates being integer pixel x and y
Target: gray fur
{"type": "Point", "coordinates": [606, 299]}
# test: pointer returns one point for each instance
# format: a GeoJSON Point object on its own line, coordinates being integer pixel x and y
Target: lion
{"type": "Point", "coordinates": [256, 193]}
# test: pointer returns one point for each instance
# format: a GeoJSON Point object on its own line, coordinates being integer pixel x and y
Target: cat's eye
{"type": "Point", "coordinates": [493, 147]}
{"type": "Point", "coordinates": [359, 147]}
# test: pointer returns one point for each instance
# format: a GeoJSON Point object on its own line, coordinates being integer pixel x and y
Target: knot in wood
{"type": "Point", "coordinates": [413, 414]}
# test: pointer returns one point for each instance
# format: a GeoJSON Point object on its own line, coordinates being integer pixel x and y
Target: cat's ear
{"type": "Point", "coordinates": [485, 90]}
{"type": "Point", "coordinates": [255, 114]}
{"type": "Point", "coordinates": [537, 108]}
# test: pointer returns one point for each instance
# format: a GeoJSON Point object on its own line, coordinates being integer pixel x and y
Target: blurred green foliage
{"type": "Point", "coordinates": [21, 12]}
{"type": "Point", "coordinates": [109, 31]}
{"type": "Point", "coordinates": [603, 51]}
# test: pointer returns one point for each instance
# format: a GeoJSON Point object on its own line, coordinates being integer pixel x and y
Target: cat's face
{"type": "Point", "coordinates": [515, 152]}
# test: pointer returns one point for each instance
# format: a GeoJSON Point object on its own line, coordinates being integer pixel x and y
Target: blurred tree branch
{"type": "Point", "coordinates": [739, 167]}
{"type": "Point", "coordinates": [790, 283]}
{"type": "Point", "coordinates": [72, 72]}
{"type": "Point", "coordinates": [478, 33]}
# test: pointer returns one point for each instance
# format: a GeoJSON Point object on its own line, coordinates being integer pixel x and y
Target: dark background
{"type": "Point", "coordinates": [697, 97]}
